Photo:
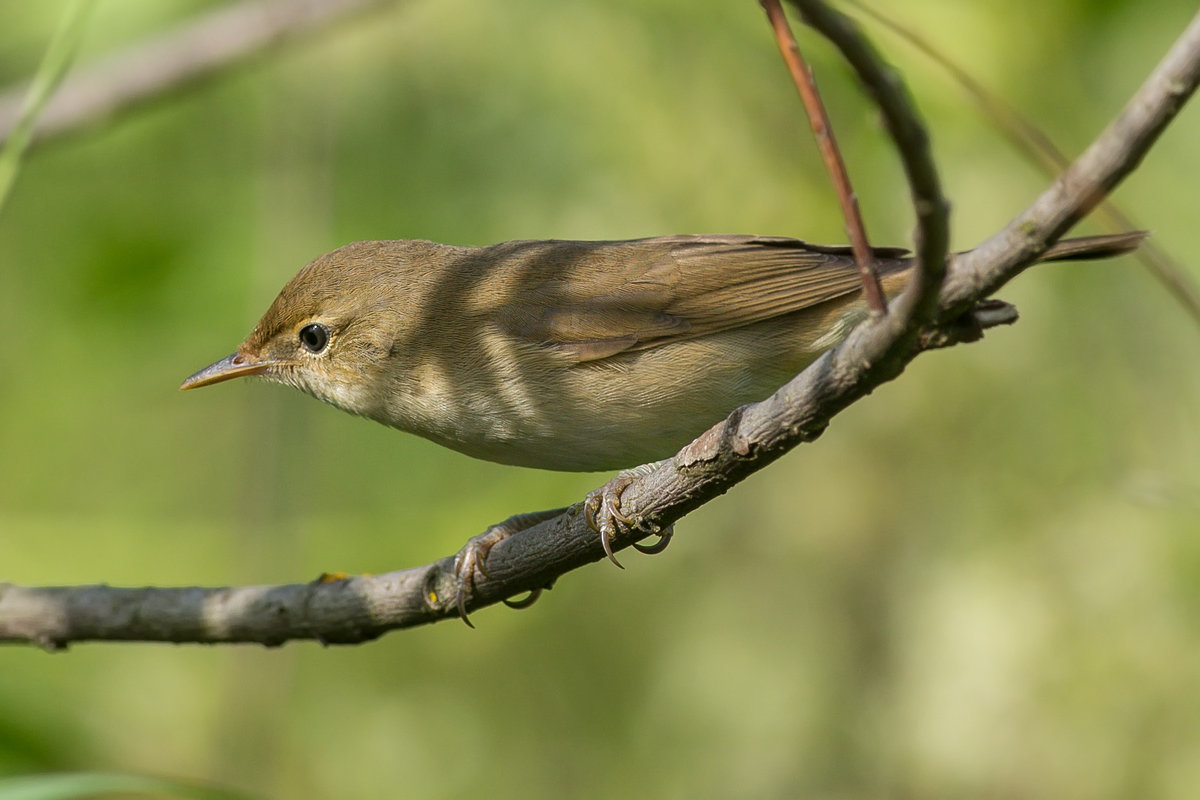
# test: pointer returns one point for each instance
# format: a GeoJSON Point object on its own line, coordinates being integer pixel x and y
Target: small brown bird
{"type": "Point", "coordinates": [560, 354]}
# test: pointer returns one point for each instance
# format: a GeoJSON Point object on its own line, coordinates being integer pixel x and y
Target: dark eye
{"type": "Point", "coordinates": [314, 337]}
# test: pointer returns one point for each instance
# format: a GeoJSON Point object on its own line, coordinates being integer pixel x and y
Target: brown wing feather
{"type": "Point", "coordinates": [681, 287]}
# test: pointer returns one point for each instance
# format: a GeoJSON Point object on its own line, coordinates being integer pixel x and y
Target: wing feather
{"type": "Point", "coordinates": [651, 292]}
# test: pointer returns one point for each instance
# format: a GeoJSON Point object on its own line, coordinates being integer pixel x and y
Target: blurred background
{"type": "Point", "coordinates": [984, 580]}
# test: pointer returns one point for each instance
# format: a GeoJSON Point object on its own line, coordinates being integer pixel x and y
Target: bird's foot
{"type": "Point", "coordinates": [603, 512]}
{"type": "Point", "coordinates": [471, 560]}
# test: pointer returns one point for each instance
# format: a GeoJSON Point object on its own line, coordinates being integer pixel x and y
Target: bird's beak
{"type": "Point", "coordinates": [231, 366]}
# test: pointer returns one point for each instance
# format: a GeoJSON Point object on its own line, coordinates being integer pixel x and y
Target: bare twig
{"type": "Point", "coordinates": [361, 608]}
{"type": "Point", "coordinates": [822, 129]}
{"type": "Point", "coordinates": [175, 60]}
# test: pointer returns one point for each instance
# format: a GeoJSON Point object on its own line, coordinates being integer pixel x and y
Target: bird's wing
{"type": "Point", "coordinates": [657, 291]}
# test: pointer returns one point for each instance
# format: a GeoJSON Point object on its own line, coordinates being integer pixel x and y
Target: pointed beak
{"type": "Point", "coordinates": [232, 366]}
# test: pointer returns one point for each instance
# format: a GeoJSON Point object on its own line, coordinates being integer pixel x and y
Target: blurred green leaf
{"type": "Point", "coordinates": [55, 63]}
{"type": "Point", "coordinates": [82, 785]}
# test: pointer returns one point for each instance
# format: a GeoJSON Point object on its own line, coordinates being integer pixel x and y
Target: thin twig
{"type": "Point", "coordinates": [822, 129]}
{"type": "Point", "coordinates": [887, 89]}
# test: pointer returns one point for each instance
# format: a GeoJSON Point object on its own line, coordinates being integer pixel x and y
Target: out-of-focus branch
{"type": "Point", "coordinates": [361, 608]}
{"type": "Point", "coordinates": [1112, 156]}
{"type": "Point", "coordinates": [172, 61]}
{"type": "Point", "coordinates": [1032, 142]}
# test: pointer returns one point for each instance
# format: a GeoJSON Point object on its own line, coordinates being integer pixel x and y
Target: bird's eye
{"type": "Point", "coordinates": [314, 337]}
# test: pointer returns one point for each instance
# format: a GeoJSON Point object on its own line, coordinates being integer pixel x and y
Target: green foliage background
{"type": "Point", "coordinates": [982, 581]}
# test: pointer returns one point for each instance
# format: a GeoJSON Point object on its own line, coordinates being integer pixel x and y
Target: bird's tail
{"type": "Point", "coordinates": [1090, 247]}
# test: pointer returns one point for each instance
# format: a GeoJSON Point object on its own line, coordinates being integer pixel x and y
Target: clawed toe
{"type": "Point", "coordinates": [664, 539]}
{"type": "Point", "coordinates": [470, 563]}
{"type": "Point", "coordinates": [602, 511]}
{"type": "Point", "coordinates": [603, 514]}
{"type": "Point", "coordinates": [524, 602]}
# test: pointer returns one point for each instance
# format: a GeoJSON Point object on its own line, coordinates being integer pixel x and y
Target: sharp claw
{"type": "Point", "coordinates": [471, 560]}
{"type": "Point", "coordinates": [462, 609]}
{"type": "Point", "coordinates": [601, 503]}
{"type": "Point", "coordinates": [589, 512]}
{"type": "Point", "coordinates": [608, 551]}
{"type": "Point", "coordinates": [462, 612]}
{"type": "Point", "coordinates": [525, 602]}
{"type": "Point", "coordinates": [603, 513]}
{"type": "Point", "coordinates": [468, 562]}
{"type": "Point", "coordinates": [664, 539]}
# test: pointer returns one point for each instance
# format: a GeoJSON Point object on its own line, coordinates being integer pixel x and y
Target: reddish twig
{"type": "Point", "coordinates": [823, 131]}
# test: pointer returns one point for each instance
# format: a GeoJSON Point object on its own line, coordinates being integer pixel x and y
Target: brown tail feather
{"type": "Point", "coordinates": [1089, 247]}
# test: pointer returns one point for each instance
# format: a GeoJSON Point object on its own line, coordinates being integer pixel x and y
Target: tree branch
{"type": "Point", "coordinates": [360, 608]}
{"type": "Point", "coordinates": [175, 60]}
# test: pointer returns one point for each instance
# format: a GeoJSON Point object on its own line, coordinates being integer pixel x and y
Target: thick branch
{"type": "Point", "coordinates": [175, 60]}
{"type": "Point", "coordinates": [358, 609]}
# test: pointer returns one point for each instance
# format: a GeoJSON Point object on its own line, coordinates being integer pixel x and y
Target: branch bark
{"type": "Point", "coordinates": [357, 609]}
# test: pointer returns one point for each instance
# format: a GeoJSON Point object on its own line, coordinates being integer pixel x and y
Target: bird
{"type": "Point", "coordinates": [566, 355]}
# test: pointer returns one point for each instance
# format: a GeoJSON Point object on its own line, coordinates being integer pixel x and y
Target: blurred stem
{"type": "Point", "coordinates": [55, 63]}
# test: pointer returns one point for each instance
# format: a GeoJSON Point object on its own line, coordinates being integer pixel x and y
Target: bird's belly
{"type": "Point", "coordinates": [613, 413]}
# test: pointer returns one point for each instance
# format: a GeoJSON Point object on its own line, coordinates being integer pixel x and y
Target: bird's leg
{"type": "Point", "coordinates": [470, 560]}
{"type": "Point", "coordinates": [602, 510]}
